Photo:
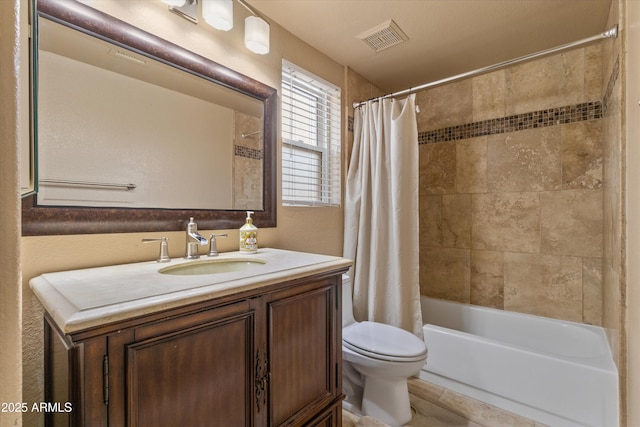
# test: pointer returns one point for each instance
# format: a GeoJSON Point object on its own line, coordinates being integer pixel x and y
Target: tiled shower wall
{"type": "Point", "coordinates": [614, 190]}
{"type": "Point", "coordinates": [511, 188]}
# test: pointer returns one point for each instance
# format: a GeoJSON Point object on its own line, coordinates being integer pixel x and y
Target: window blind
{"type": "Point", "coordinates": [311, 158]}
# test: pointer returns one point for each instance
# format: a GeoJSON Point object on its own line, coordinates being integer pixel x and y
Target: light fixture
{"type": "Point", "coordinates": [188, 9]}
{"type": "Point", "coordinates": [256, 35]}
{"type": "Point", "coordinates": [174, 3]}
{"type": "Point", "coordinates": [256, 31]}
{"type": "Point", "coordinates": [218, 13]}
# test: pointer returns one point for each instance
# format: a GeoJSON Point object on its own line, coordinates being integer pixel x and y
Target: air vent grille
{"type": "Point", "coordinates": [383, 36]}
{"type": "Point", "coordinates": [127, 55]}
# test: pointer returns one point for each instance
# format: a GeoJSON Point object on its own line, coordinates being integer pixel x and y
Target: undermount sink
{"type": "Point", "coordinates": [212, 266]}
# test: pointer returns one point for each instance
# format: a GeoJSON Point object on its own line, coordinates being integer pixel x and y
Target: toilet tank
{"type": "Point", "coordinates": [347, 301]}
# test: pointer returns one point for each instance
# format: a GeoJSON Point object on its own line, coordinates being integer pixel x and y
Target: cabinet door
{"type": "Point", "coordinates": [330, 418]}
{"type": "Point", "coordinates": [74, 379]}
{"type": "Point", "coordinates": [302, 352]}
{"type": "Point", "coordinates": [195, 376]}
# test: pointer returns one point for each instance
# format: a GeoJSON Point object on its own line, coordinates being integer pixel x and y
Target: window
{"type": "Point", "coordinates": [310, 139]}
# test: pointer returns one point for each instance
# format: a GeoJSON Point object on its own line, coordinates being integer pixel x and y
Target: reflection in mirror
{"type": "Point", "coordinates": [137, 134]}
{"type": "Point", "coordinates": [120, 129]}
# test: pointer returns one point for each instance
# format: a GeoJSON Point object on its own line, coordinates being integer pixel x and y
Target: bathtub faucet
{"type": "Point", "coordinates": [193, 240]}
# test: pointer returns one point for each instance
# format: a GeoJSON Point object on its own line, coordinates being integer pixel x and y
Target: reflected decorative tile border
{"type": "Point", "coordinates": [612, 82]}
{"type": "Point", "coordinates": [249, 153]}
{"type": "Point", "coordinates": [518, 122]}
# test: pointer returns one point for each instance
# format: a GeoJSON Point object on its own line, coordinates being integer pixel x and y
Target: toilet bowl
{"type": "Point", "coordinates": [377, 360]}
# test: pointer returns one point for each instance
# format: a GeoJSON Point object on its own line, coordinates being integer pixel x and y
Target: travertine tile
{"type": "Point", "coordinates": [571, 223]}
{"type": "Point", "coordinates": [582, 155]}
{"type": "Point", "coordinates": [247, 183]}
{"type": "Point", "coordinates": [592, 290]}
{"type": "Point", "coordinates": [424, 390]}
{"type": "Point", "coordinates": [470, 409]}
{"type": "Point", "coordinates": [526, 139]}
{"type": "Point", "coordinates": [349, 419]}
{"type": "Point", "coordinates": [444, 106]}
{"type": "Point", "coordinates": [487, 278]}
{"type": "Point", "coordinates": [488, 96]}
{"type": "Point", "coordinates": [524, 161]}
{"type": "Point", "coordinates": [544, 285]}
{"type": "Point", "coordinates": [456, 220]}
{"type": "Point", "coordinates": [471, 165]}
{"type": "Point", "coordinates": [431, 415]}
{"type": "Point", "coordinates": [548, 82]}
{"type": "Point", "coordinates": [612, 272]}
{"type": "Point", "coordinates": [593, 72]}
{"type": "Point", "coordinates": [506, 222]}
{"type": "Point", "coordinates": [245, 123]}
{"type": "Point", "coordinates": [444, 273]}
{"type": "Point", "coordinates": [430, 220]}
{"type": "Point", "coordinates": [481, 412]}
{"type": "Point", "coordinates": [437, 168]}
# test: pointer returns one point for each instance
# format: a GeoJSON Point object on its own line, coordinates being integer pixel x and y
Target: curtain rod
{"type": "Point", "coordinates": [611, 33]}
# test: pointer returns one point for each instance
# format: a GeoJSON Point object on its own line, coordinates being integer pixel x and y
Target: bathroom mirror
{"type": "Point", "coordinates": [135, 133]}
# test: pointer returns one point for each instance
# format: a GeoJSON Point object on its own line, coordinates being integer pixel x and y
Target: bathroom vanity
{"type": "Point", "coordinates": [257, 342]}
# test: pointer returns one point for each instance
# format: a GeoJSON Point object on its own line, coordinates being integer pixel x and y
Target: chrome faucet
{"type": "Point", "coordinates": [193, 240]}
{"type": "Point", "coordinates": [164, 248]}
{"type": "Point", "coordinates": [213, 247]}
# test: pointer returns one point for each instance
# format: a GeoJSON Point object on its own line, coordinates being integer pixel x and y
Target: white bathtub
{"type": "Point", "coordinates": [555, 372]}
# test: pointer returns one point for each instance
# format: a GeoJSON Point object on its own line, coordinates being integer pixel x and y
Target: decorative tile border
{"type": "Point", "coordinates": [518, 122]}
{"type": "Point", "coordinates": [249, 153]}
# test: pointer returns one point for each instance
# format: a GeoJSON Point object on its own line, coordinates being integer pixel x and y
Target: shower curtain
{"type": "Point", "coordinates": [381, 214]}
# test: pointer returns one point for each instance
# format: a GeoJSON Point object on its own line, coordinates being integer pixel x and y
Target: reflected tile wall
{"type": "Point", "coordinates": [247, 162]}
{"type": "Point", "coordinates": [511, 188]}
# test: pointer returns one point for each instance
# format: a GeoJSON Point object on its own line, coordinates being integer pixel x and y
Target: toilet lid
{"type": "Point", "coordinates": [383, 341]}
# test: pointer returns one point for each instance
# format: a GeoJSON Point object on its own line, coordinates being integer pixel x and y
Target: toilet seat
{"type": "Point", "coordinates": [384, 342]}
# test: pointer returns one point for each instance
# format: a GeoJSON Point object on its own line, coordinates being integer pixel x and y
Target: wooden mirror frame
{"type": "Point", "coordinates": [51, 220]}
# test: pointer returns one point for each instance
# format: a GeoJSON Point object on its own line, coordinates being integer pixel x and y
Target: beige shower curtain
{"type": "Point", "coordinates": [381, 214]}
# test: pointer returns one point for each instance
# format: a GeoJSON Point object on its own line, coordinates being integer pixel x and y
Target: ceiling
{"type": "Point", "coordinates": [446, 37]}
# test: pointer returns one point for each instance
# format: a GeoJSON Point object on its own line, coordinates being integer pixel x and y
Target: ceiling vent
{"type": "Point", "coordinates": [383, 36]}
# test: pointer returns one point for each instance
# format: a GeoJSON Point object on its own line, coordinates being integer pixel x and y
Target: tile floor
{"type": "Point", "coordinates": [438, 407]}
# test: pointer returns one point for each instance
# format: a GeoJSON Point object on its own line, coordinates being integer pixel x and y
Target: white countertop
{"type": "Point", "coordinates": [81, 299]}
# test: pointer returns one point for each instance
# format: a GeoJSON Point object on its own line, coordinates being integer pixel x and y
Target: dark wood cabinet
{"type": "Point", "coordinates": [268, 357]}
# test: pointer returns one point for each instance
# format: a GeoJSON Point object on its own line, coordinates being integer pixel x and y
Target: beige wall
{"type": "Point", "coordinates": [632, 122]}
{"type": "Point", "coordinates": [14, 125]}
{"type": "Point", "coordinates": [511, 209]}
{"type": "Point", "coordinates": [297, 226]}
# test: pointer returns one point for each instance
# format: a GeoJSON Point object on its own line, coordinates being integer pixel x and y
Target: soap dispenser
{"type": "Point", "coordinates": [249, 236]}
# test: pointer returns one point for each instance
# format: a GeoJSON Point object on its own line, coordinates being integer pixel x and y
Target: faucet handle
{"type": "Point", "coordinates": [164, 247]}
{"type": "Point", "coordinates": [213, 247]}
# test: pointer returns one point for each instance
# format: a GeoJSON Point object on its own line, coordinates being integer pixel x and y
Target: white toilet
{"type": "Point", "coordinates": [377, 360]}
